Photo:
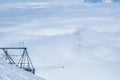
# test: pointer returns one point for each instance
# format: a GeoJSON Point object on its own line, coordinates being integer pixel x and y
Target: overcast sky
{"type": "Point", "coordinates": [34, 22]}
{"type": "Point", "coordinates": [63, 28]}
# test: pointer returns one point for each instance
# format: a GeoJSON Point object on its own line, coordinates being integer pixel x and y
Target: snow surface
{"type": "Point", "coordinates": [10, 72]}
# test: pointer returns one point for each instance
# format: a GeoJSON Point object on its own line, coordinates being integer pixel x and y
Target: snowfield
{"type": "Point", "coordinates": [9, 72]}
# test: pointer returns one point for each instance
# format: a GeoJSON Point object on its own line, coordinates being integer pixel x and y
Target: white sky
{"type": "Point", "coordinates": [66, 32]}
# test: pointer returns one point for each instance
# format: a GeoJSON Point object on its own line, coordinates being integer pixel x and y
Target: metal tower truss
{"type": "Point", "coordinates": [21, 60]}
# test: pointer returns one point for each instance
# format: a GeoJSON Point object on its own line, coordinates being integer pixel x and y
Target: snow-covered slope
{"type": "Point", "coordinates": [8, 72]}
{"type": "Point", "coordinates": [79, 56]}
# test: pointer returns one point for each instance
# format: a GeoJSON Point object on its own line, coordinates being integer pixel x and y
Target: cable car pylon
{"type": "Point", "coordinates": [24, 61]}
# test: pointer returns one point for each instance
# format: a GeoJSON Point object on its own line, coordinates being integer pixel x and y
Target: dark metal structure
{"type": "Point", "coordinates": [24, 61]}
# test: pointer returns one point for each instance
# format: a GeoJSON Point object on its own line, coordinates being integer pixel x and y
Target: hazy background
{"type": "Point", "coordinates": [66, 39]}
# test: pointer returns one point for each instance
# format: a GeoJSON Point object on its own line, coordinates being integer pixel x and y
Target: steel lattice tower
{"type": "Point", "coordinates": [24, 60]}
